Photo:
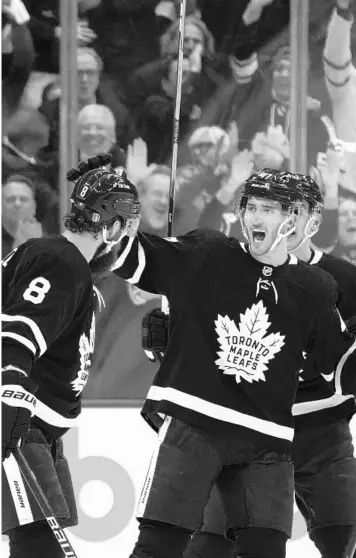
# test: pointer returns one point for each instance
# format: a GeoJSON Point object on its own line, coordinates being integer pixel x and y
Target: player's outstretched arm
{"type": "Point", "coordinates": [152, 263]}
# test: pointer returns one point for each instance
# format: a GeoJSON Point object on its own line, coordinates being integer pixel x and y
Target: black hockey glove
{"type": "Point", "coordinates": [154, 334]}
{"type": "Point", "coordinates": [351, 324]}
{"type": "Point", "coordinates": [17, 407]}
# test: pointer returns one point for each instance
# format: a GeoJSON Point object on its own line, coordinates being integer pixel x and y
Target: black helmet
{"type": "Point", "coordinates": [283, 187]}
{"type": "Point", "coordinates": [311, 192]}
{"type": "Point", "coordinates": [102, 193]}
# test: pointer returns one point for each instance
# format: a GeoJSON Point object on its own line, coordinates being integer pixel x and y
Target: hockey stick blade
{"type": "Point", "coordinates": [45, 506]}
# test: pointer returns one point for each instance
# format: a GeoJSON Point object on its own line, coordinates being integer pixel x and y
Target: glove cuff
{"type": "Point", "coordinates": [15, 376]}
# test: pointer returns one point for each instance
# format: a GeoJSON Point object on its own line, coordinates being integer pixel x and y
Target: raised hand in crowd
{"type": "Point", "coordinates": [28, 228]}
{"type": "Point", "coordinates": [136, 161]}
{"type": "Point", "coordinates": [241, 169]}
{"type": "Point", "coordinates": [16, 11]}
{"type": "Point", "coordinates": [195, 59]}
{"type": "Point", "coordinates": [253, 11]}
{"type": "Point", "coordinates": [327, 174]}
{"type": "Point", "coordinates": [270, 148]}
{"type": "Point", "coordinates": [85, 35]}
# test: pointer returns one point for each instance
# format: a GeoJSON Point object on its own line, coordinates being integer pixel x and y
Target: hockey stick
{"type": "Point", "coordinates": [178, 99]}
{"type": "Point", "coordinates": [44, 504]}
{"type": "Point", "coordinates": [175, 133]}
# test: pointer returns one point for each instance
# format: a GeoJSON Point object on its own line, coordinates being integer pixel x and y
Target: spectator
{"type": "Point", "coordinates": [27, 134]}
{"type": "Point", "coordinates": [346, 242]}
{"type": "Point", "coordinates": [89, 67]}
{"type": "Point", "coordinates": [207, 169]}
{"type": "Point", "coordinates": [127, 37]}
{"type": "Point", "coordinates": [154, 119]}
{"type": "Point", "coordinates": [340, 76]}
{"type": "Point", "coordinates": [154, 195]}
{"type": "Point", "coordinates": [17, 56]}
{"type": "Point", "coordinates": [96, 134]}
{"type": "Point", "coordinates": [209, 70]}
{"type": "Point", "coordinates": [19, 213]}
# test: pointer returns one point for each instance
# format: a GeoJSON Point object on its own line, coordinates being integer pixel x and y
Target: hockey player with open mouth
{"type": "Point", "coordinates": [48, 336]}
{"type": "Point", "coordinates": [322, 452]}
{"type": "Point", "coordinates": [244, 320]}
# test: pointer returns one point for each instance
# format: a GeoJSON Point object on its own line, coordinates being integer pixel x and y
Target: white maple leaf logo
{"type": "Point", "coordinates": [86, 349]}
{"type": "Point", "coordinates": [246, 350]}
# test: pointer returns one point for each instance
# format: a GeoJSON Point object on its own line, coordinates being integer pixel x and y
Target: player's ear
{"type": "Point", "coordinates": [291, 221]}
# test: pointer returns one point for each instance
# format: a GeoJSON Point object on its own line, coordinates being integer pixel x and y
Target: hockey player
{"type": "Point", "coordinates": [243, 317]}
{"type": "Point", "coordinates": [325, 467]}
{"type": "Point", "coordinates": [48, 334]}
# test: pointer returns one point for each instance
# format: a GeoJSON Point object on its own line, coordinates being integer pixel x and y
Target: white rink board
{"type": "Point", "coordinates": [108, 455]}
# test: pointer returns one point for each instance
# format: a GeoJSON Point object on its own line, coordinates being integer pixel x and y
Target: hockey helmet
{"type": "Point", "coordinates": [279, 186]}
{"type": "Point", "coordinates": [311, 193]}
{"type": "Point", "coordinates": [102, 193]}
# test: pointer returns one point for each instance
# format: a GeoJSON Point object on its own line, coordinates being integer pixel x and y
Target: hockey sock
{"type": "Point", "coordinates": [257, 542]}
{"type": "Point", "coordinates": [35, 540]}
{"type": "Point", "coordinates": [209, 545]}
{"type": "Point", "coordinates": [332, 541]}
{"type": "Point", "coordinates": [160, 540]}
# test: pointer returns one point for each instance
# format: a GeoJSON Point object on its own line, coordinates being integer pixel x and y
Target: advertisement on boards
{"type": "Point", "coordinates": [108, 455]}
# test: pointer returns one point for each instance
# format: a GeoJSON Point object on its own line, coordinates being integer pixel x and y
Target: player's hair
{"type": "Point", "coordinates": [76, 223]}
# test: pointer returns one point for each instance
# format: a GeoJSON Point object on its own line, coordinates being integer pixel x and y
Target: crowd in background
{"type": "Point", "coordinates": [235, 118]}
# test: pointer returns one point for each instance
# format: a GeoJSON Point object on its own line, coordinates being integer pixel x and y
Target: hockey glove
{"type": "Point", "coordinates": [351, 324]}
{"type": "Point", "coordinates": [154, 334]}
{"type": "Point", "coordinates": [17, 407]}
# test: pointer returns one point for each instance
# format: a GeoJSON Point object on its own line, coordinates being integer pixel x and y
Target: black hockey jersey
{"type": "Point", "coordinates": [239, 332]}
{"type": "Point", "coordinates": [316, 401]}
{"type": "Point", "coordinates": [48, 325]}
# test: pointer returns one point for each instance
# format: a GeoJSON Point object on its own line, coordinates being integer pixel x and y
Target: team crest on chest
{"type": "Point", "coordinates": [86, 349]}
{"type": "Point", "coordinates": [246, 349]}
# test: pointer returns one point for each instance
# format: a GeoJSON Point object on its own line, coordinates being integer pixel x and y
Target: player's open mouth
{"type": "Point", "coordinates": [258, 236]}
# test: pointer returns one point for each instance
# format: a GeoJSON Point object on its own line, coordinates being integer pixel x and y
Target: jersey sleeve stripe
{"type": "Point", "coordinates": [338, 372]}
{"type": "Point", "coordinates": [40, 340]}
{"type": "Point", "coordinates": [141, 265]}
{"type": "Point", "coordinates": [122, 258]}
{"type": "Point", "coordinates": [20, 339]}
{"type": "Point", "coordinates": [53, 418]}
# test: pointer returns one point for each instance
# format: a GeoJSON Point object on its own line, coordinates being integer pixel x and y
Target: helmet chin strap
{"type": "Point", "coordinates": [312, 225]}
{"type": "Point", "coordinates": [280, 235]}
{"type": "Point", "coordinates": [111, 243]}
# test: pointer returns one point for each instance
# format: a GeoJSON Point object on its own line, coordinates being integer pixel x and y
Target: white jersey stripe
{"type": "Point", "coordinates": [338, 387]}
{"type": "Point", "coordinates": [122, 258]}
{"type": "Point", "coordinates": [18, 491]}
{"type": "Point", "coordinates": [318, 405]}
{"type": "Point", "coordinates": [37, 333]}
{"type": "Point", "coordinates": [141, 265]}
{"type": "Point", "coordinates": [50, 416]}
{"type": "Point", "coordinates": [152, 468]}
{"type": "Point", "coordinates": [157, 393]}
{"type": "Point", "coordinates": [20, 339]}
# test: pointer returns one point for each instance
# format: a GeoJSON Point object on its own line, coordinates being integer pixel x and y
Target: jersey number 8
{"type": "Point", "coordinates": [37, 290]}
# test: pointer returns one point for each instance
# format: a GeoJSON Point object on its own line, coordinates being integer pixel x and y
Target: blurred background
{"type": "Point", "coordinates": [266, 83]}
